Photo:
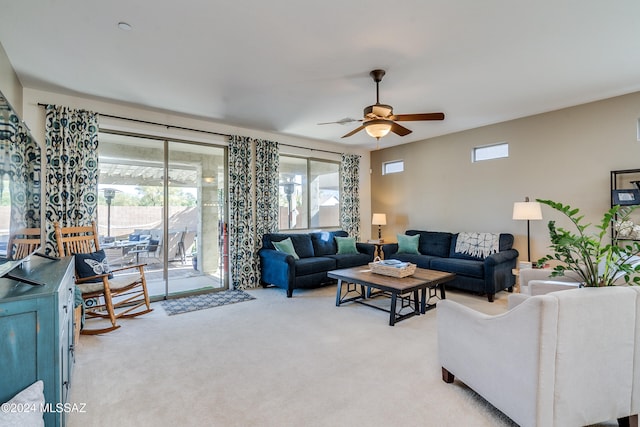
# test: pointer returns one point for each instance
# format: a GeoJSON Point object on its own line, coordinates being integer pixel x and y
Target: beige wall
{"type": "Point", "coordinates": [564, 155]}
{"type": "Point", "coordinates": [9, 84]}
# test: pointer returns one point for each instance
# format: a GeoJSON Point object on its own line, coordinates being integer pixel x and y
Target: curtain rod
{"type": "Point", "coordinates": [194, 130]}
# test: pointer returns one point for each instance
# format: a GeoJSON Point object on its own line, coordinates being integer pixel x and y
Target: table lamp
{"type": "Point", "coordinates": [529, 211]}
{"type": "Point", "coordinates": [379, 219]}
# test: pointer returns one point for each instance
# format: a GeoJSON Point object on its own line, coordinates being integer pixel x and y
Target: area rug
{"type": "Point", "coordinates": [202, 301]}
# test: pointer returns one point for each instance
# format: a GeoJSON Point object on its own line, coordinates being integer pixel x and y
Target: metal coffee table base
{"type": "Point", "coordinates": [407, 289]}
{"type": "Point", "coordinates": [407, 300]}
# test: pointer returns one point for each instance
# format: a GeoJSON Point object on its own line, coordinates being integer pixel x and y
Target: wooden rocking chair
{"type": "Point", "coordinates": [123, 296]}
{"type": "Point", "coordinates": [23, 242]}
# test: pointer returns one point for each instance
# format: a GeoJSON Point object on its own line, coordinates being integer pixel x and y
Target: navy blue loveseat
{"type": "Point", "coordinates": [484, 275]}
{"type": "Point", "coordinates": [318, 255]}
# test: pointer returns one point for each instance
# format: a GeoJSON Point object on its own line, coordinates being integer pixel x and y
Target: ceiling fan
{"type": "Point", "coordinates": [379, 119]}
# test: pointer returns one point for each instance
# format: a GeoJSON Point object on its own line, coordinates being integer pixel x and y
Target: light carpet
{"type": "Point", "coordinates": [277, 361]}
{"type": "Point", "coordinates": [204, 301]}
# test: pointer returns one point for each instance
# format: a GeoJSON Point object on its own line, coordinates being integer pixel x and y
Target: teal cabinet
{"type": "Point", "coordinates": [36, 332]}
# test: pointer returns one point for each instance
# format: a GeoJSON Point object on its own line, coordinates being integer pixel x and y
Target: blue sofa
{"type": "Point", "coordinates": [318, 255]}
{"type": "Point", "coordinates": [484, 275]}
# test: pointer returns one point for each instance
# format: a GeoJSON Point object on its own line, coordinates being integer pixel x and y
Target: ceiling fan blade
{"type": "Point", "coordinates": [356, 130]}
{"type": "Point", "coordinates": [400, 130]}
{"type": "Point", "coordinates": [418, 117]}
{"type": "Point", "coordinates": [341, 121]}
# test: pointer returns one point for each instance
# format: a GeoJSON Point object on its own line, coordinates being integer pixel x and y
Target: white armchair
{"type": "Point", "coordinates": [569, 358]}
{"type": "Point", "coordinates": [538, 281]}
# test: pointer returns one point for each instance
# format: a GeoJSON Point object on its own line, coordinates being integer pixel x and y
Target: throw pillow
{"type": "Point", "coordinates": [286, 246]}
{"type": "Point", "coordinates": [408, 244]}
{"type": "Point", "coordinates": [346, 245]}
{"type": "Point", "coordinates": [32, 398]}
{"type": "Point", "coordinates": [92, 264]}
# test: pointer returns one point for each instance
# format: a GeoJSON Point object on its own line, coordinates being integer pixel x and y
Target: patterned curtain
{"type": "Point", "coordinates": [246, 224]}
{"type": "Point", "coordinates": [349, 195]}
{"type": "Point", "coordinates": [71, 185]}
{"type": "Point", "coordinates": [267, 187]}
{"type": "Point", "coordinates": [243, 264]}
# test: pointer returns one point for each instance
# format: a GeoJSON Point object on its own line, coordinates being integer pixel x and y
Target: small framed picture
{"type": "Point", "coordinates": [626, 197]}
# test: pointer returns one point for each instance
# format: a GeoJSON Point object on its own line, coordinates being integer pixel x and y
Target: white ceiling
{"type": "Point", "coordinates": [285, 65]}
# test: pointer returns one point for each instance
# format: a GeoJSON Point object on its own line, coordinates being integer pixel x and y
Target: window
{"type": "Point", "coordinates": [395, 166]}
{"type": "Point", "coordinates": [488, 152]}
{"type": "Point", "coordinates": [309, 193]}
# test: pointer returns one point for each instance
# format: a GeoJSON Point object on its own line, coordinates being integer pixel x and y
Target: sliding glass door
{"type": "Point", "coordinates": [196, 228]}
{"type": "Point", "coordinates": [160, 205]}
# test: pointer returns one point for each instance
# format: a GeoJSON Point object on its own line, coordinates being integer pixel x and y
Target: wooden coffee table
{"type": "Point", "coordinates": [426, 281]}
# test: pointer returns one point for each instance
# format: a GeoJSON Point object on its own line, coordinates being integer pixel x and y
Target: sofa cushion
{"type": "Point", "coordinates": [346, 245]}
{"type": "Point", "coordinates": [422, 261]}
{"type": "Point", "coordinates": [351, 260]}
{"type": "Point", "coordinates": [301, 242]}
{"type": "Point", "coordinates": [286, 246]}
{"type": "Point", "coordinates": [435, 243]}
{"type": "Point", "coordinates": [408, 244]}
{"type": "Point", "coordinates": [505, 242]}
{"type": "Point", "coordinates": [324, 242]}
{"type": "Point", "coordinates": [312, 265]}
{"type": "Point", "coordinates": [464, 267]}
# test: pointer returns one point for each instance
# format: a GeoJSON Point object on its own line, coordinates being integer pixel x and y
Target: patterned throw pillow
{"type": "Point", "coordinates": [286, 246]}
{"type": "Point", "coordinates": [92, 264]}
{"type": "Point", "coordinates": [408, 244]}
{"type": "Point", "coordinates": [346, 245]}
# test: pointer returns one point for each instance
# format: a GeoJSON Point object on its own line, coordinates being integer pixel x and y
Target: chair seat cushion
{"type": "Point", "coordinates": [114, 284]}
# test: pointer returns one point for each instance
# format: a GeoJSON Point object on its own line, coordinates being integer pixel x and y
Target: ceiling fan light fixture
{"type": "Point", "coordinates": [378, 128]}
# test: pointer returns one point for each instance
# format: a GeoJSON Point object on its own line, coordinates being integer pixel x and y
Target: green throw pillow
{"type": "Point", "coordinates": [408, 244]}
{"type": "Point", "coordinates": [346, 245]}
{"type": "Point", "coordinates": [286, 246]}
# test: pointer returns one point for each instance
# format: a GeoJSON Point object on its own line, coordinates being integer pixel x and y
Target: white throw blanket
{"type": "Point", "coordinates": [477, 244]}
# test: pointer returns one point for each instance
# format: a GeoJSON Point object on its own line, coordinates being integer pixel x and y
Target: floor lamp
{"type": "Point", "coordinates": [527, 211]}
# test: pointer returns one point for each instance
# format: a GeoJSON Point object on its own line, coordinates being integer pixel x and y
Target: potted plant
{"type": "Point", "coordinates": [599, 258]}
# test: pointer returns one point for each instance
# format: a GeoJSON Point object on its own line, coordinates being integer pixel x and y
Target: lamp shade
{"type": "Point", "coordinates": [378, 128]}
{"type": "Point", "coordinates": [527, 210]}
{"type": "Point", "coordinates": [379, 219]}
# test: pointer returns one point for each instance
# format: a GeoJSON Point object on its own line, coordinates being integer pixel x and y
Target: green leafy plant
{"type": "Point", "coordinates": [599, 258]}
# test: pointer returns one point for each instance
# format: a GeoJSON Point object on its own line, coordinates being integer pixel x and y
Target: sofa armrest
{"type": "Point", "coordinates": [516, 299]}
{"type": "Point", "coordinates": [276, 267]}
{"type": "Point", "coordinates": [498, 271]}
{"type": "Point", "coordinates": [541, 287]}
{"type": "Point", "coordinates": [389, 249]}
{"type": "Point", "coordinates": [501, 257]}
{"type": "Point", "coordinates": [366, 248]}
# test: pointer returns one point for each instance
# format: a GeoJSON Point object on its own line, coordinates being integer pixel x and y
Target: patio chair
{"type": "Point", "coordinates": [104, 295]}
{"type": "Point", "coordinates": [23, 242]}
{"type": "Point", "coordinates": [150, 250]}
